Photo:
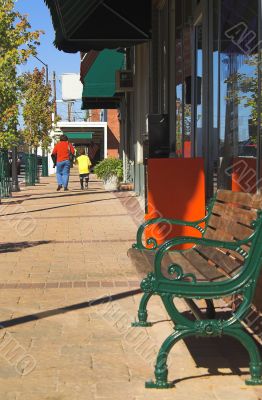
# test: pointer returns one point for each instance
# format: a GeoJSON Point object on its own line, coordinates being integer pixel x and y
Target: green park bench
{"type": "Point", "coordinates": [224, 263]}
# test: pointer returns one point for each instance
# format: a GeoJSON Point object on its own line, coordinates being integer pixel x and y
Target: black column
{"type": "Point", "coordinates": [15, 184]}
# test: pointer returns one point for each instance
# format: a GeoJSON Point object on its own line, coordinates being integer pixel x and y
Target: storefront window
{"type": "Point", "coordinates": [199, 90]}
{"type": "Point", "coordinates": [238, 93]}
{"type": "Point", "coordinates": [183, 78]}
{"type": "Point", "coordinates": [188, 83]}
{"type": "Point", "coordinates": [179, 80]}
{"type": "Point", "coordinates": [179, 94]}
{"type": "Point", "coordinates": [230, 125]}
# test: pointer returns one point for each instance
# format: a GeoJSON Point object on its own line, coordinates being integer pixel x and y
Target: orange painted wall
{"type": "Point", "coordinates": [176, 189]}
{"type": "Point", "coordinates": [244, 175]}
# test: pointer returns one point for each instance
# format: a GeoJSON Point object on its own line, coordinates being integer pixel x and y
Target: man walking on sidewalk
{"type": "Point", "coordinates": [62, 153]}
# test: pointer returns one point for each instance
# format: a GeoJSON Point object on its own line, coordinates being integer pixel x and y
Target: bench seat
{"type": "Point", "coordinates": [207, 264]}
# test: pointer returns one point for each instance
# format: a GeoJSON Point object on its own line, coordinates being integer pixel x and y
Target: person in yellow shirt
{"type": "Point", "coordinates": [84, 164]}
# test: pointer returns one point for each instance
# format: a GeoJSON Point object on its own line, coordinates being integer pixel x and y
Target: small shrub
{"type": "Point", "coordinates": [108, 167]}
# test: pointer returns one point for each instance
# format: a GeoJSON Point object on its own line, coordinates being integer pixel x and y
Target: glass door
{"type": "Point", "coordinates": [239, 105]}
{"type": "Point", "coordinates": [203, 88]}
{"type": "Point", "coordinates": [198, 89]}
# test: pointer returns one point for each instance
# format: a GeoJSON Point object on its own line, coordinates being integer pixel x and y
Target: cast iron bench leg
{"type": "Point", "coordinates": [210, 311]}
{"type": "Point", "coordinates": [142, 311]}
{"type": "Point", "coordinates": [255, 359]}
{"type": "Point", "coordinates": [161, 370]}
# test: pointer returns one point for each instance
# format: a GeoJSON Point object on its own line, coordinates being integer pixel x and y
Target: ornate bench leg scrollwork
{"type": "Point", "coordinates": [142, 311]}
{"type": "Point", "coordinates": [255, 360]}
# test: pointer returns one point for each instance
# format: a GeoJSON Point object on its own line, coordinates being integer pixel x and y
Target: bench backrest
{"type": "Point", "coordinates": [232, 217]}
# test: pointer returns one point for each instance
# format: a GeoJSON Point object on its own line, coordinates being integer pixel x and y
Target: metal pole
{"type": "Point", "coordinates": [15, 183]}
{"type": "Point", "coordinates": [54, 93]}
{"type": "Point", "coordinates": [69, 110]}
{"type": "Point", "coordinates": [46, 69]}
{"type": "Point", "coordinates": [46, 74]}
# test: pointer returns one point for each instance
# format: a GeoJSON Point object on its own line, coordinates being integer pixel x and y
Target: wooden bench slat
{"type": "Point", "coordinates": [218, 233]}
{"type": "Point", "coordinates": [257, 202]}
{"type": "Point", "coordinates": [181, 259]}
{"type": "Point", "coordinates": [245, 199]}
{"type": "Point", "coordinates": [230, 226]}
{"type": "Point", "coordinates": [214, 234]}
{"type": "Point", "coordinates": [143, 260]}
{"type": "Point", "coordinates": [222, 260]}
{"type": "Point", "coordinates": [235, 213]}
{"type": "Point", "coordinates": [200, 264]}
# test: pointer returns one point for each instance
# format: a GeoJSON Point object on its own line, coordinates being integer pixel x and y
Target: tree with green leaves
{"type": "Point", "coordinates": [245, 89]}
{"type": "Point", "coordinates": [37, 109]}
{"type": "Point", "coordinates": [17, 44]}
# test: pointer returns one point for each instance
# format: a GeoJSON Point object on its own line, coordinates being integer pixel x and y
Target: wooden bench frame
{"type": "Point", "coordinates": [178, 283]}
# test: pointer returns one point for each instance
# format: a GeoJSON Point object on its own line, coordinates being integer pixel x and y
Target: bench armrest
{"type": "Point", "coordinates": [236, 245]}
{"type": "Point", "coordinates": [152, 242]}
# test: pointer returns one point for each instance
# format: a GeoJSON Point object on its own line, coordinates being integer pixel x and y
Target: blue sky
{"type": "Point", "coordinates": [58, 61]}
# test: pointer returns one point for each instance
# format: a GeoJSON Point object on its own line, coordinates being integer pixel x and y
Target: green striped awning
{"type": "Point", "coordinates": [79, 135]}
{"type": "Point", "coordinates": [83, 25]}
{"type": "Point", "coordinates": [100, 81]}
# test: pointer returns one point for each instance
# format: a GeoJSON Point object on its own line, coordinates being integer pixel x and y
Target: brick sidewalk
{"type": "Point", "coordinates": [68, 295]}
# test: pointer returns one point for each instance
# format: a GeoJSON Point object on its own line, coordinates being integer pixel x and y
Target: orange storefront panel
{"type": "Point", "coordinates": [176, 189]}
{"type": "Point", "coordinates": [244, 175]}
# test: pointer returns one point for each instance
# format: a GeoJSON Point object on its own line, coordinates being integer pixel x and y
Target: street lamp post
{"type": "Point", "coordinates": [46, 69]}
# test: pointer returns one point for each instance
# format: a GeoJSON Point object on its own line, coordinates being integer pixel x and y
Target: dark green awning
{"type": "Point", "coordinates": [83, 25]}
{"type": "Point", "coordinates": [89, 103]}
{"type": "Point", "coordinates": [79, 135]}
{"type": "Point", "coordinates": [100, 80]}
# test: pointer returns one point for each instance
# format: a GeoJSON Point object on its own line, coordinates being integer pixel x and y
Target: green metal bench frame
{"type": "Point", "coordinates": [186, 286]}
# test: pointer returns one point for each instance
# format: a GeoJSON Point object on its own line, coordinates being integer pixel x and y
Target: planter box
{"type": "Point", "coordinates": [111, 184]}
{"type": "Point", "coordinates": [126, 186]}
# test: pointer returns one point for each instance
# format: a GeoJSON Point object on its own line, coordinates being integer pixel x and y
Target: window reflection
{"type": "Point", "coordinates": [179, 93]}
{"type": "Point", "coordinates": [183, 78]}
{"type": "Point", "coordinates": [198, 89]}
{"type": "Point", "coordinates": [238, 108]}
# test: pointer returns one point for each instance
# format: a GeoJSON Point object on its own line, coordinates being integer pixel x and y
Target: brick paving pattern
{"type": "Point", "coordinates": [68, 294]}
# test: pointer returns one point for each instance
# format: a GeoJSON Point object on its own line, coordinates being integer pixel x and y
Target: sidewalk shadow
{"type": "Point", "coordinates": [218, 353]}
{"type": "Point", "coordinates": [13, 247]}
{"type": "Point", "coordinates": [209, 374]}
{"type": "Point", "coordinates": [22, 195]}
{"type": "Point", "coordinates": [57, 207]}
{"type": "Point", "coordinates": [64, 310]}
{"type": "Point", "coordinates": [60, 195]}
